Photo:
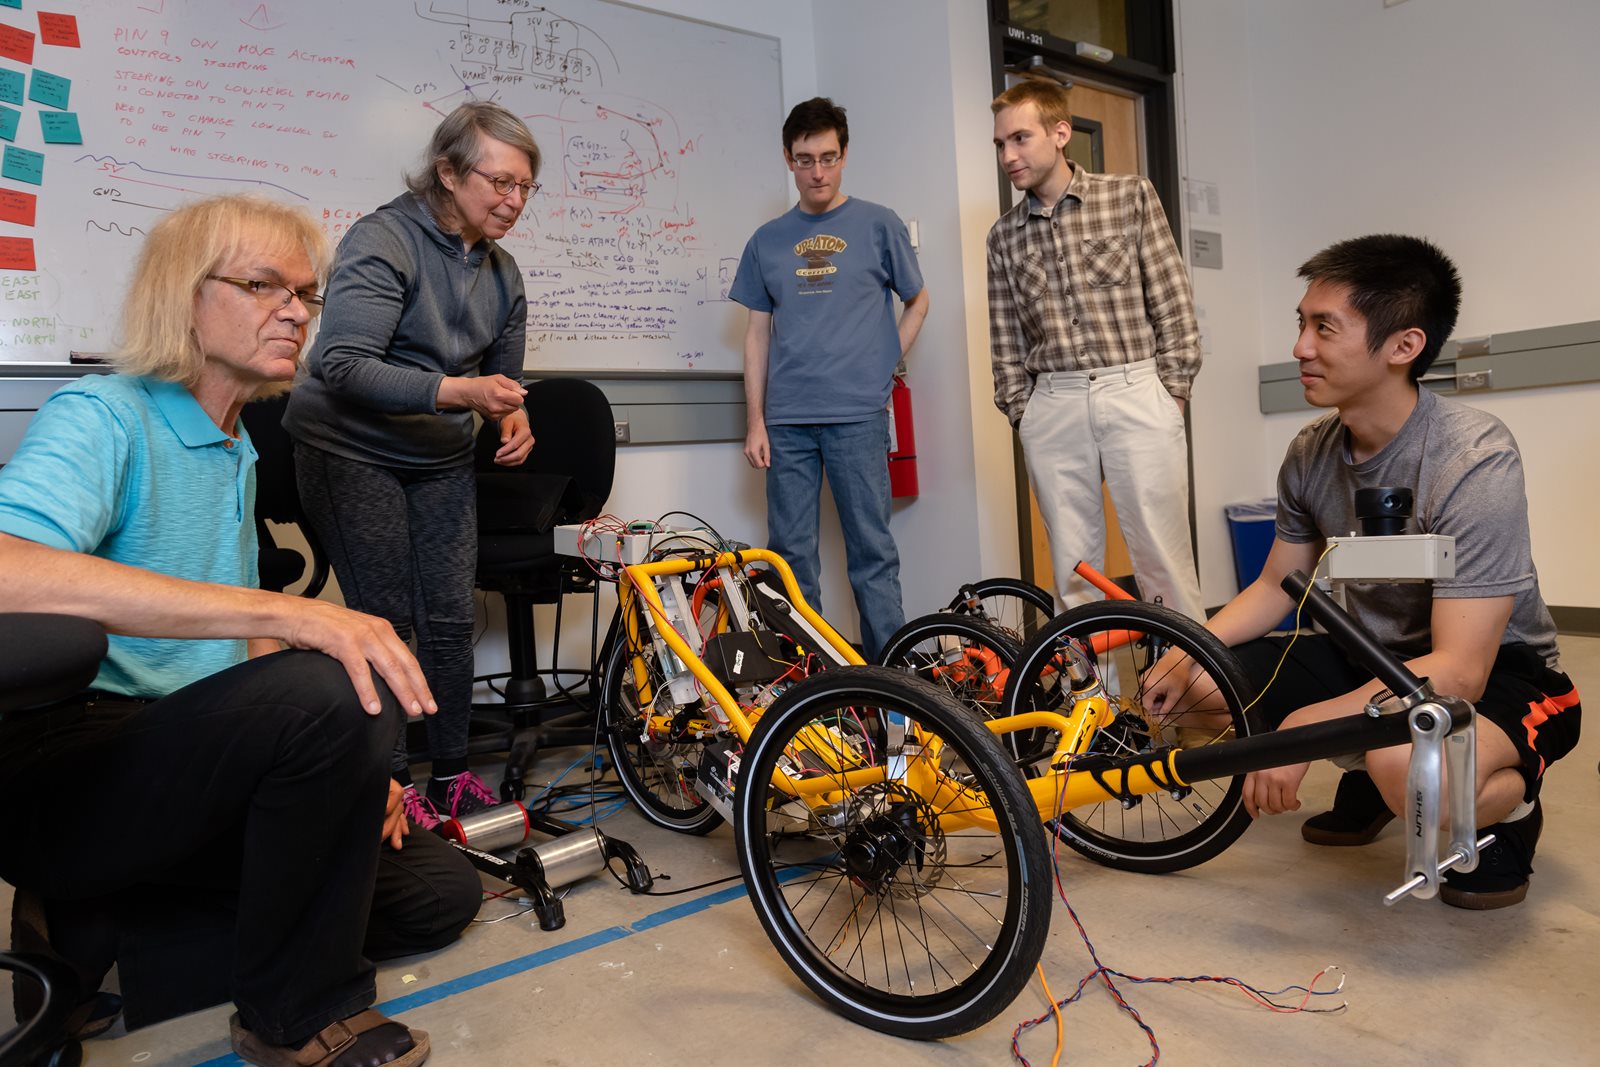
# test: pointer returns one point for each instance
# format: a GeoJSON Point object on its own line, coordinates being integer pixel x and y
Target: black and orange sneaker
{"type": "Point", "coordinates": [1501, 878]}
{"type": "Point", "coordinates": [1358, 813]}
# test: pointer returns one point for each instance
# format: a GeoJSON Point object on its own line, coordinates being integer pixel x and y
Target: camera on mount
{"type": "Point", "coordinates": [1383, 551]}
{"type": "Point", "coordinates": [1383, 510]}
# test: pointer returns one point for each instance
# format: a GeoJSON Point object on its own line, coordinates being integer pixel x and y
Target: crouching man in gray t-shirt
{"type": "Point", "coordinates": [1375, 314]}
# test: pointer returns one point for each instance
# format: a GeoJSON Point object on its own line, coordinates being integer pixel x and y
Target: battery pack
{"type": "Point", "coordinates": [744, 658]}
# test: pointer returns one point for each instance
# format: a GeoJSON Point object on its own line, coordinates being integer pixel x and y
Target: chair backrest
{"type": "Point", "coordinates": [574, 454]}
{"type": "Point", "coordinates": [278, 499]}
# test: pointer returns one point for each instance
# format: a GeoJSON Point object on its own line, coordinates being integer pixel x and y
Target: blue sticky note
{"type": "Point", "coordinates": [9, 117]}
{"type": "Point", "coordinates": [21, 165]}
{"type": "Point", "coordinates": [12, 3]}
{"type": "Point", "coordinates": [11, 84]}
{"type": "Point", "coordinates": [60, 127]}
{"type": "Point", "coordinates": [51, 89]}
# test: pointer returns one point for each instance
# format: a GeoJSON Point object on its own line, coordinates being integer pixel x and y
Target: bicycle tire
{"type": "Point", "coordinates": [968, 655]}
{"type": "Point", "coordinates": [657, 775]}
{"type": "Point", "coordinates": [1018, 607]}
{"type": "Point", "coordinates": [1159, 832]}
{"type": "Point", "coordinates": [897, 913]}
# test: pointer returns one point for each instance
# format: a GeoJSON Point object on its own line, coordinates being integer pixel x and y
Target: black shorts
{"type": "Point", "coordinates": [1536, 707]}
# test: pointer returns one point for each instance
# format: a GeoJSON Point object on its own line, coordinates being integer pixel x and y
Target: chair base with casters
{"type": "Point", "coordinates": [565, 479]}
{"type": "Point", "coordinates": [529, 714]}
{"type": "Point", "coordinates": [47, 659]}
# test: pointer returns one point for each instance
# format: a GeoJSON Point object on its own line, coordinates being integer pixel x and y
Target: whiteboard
{"type": "Point", "coordinates": [661, 139]}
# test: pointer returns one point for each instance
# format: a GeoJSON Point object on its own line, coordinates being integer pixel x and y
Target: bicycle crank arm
{"type": "Point", "coordinates": [1430, 722]}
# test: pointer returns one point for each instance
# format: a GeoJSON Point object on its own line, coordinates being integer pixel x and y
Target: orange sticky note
{"type": "Point", "coordinates": [17, 206]}
{"type": "Point", "coordinates": [58, 29]}
{"type": "Point", "coordinates": [16, 253]}
{"type": "Point", "coordinates": [16, 44]}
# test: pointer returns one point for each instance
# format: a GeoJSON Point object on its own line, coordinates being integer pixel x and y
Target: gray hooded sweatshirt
{"type": "Point", "coordinates": [407, 304]}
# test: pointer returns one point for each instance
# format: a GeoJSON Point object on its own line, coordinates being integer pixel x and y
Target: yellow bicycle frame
{"type": "Point", "coordinates": [1054, 792]}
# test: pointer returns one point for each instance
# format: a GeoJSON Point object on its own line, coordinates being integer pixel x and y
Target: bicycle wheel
{"type": "Point", "coordinates": [657, 771]}
{"type": "Point", "coordinates": [1019, 608]}
{"type": "Point", "coordinates": [909, 887]}
{"type": "Point", "coordinates": [968, 655]}
{"type": "Point", "coordinates": [1154, 832]}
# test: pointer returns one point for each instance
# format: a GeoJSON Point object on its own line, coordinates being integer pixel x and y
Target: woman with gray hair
{"type": "Point", "coordinates": [424, 327]}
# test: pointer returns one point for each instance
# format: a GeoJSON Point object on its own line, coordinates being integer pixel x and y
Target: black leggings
{"type": "Point", "coordinates": [404, 546]}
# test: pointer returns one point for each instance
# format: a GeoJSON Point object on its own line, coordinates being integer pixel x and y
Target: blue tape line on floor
{"type": "Point", "coordinates": [533, 960]}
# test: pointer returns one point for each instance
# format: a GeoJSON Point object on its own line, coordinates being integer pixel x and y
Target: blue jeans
{"type": "Point", "coordinates": [855, 455]}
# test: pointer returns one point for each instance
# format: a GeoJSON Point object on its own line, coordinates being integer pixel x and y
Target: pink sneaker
{"type": "Point", "coordinates": [461, 795]}
{"type": "Point", "coordinates": [419, 809]}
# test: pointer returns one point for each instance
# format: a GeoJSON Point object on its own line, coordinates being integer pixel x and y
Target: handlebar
{"type": "Point", "coordinates": [1352, 636]}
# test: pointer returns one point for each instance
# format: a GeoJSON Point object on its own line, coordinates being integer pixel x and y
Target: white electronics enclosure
{"type": "Point", "coordinates": [1396, 558]}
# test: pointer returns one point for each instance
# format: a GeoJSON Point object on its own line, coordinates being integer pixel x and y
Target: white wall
{"type": "Point", "coordinates": [914, 76]}
{"type": "Point", "coordinates": [1464, 120]}
{"type": "Point", "coordinates": [1216, 146]}
{"type": "Point", "coordinates": [1467, 121]}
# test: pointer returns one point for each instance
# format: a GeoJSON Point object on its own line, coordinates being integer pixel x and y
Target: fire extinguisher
{"type": "Point", "coordinates": [902, 442]}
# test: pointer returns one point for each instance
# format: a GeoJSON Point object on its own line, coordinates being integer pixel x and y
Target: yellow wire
{"type": "Point", "coordinates": [1056, 1010]}
{"type": "Point", "coordinates": [1298, 609]}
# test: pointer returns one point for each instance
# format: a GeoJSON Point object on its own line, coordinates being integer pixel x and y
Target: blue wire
{"type": "Point", "coordinates": [563, 774]}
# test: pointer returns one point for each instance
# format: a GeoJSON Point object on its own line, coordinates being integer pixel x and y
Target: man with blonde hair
{"type": "Point", "coordinates": [244, 785]}
{"type": "Point", "coordinates": [1095, 347]}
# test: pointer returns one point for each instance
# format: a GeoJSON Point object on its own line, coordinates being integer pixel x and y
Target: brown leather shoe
{"type": "Point", "coordinates": [368, 1039]}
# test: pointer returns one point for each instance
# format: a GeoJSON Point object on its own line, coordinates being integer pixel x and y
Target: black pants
{"type": "Point", "coordinates": [248, 805]}
{"type": "Point", "coordinates": [1536, 707]}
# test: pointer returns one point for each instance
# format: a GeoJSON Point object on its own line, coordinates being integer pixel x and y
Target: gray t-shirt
{"type": "Point", "coordinates": [1465, 470]}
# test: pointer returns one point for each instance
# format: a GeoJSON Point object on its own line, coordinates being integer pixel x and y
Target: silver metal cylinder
{"type": "Point", "coordinates": [573, 856]}
{"type": "Point", "coordinates": [491, 829]}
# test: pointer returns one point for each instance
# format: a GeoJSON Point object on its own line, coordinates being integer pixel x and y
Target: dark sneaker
{"type": "Point", "coordinates": [1501, 879]}
{"type": "Point", "coordinates": [461, 795]}
{"type": "Point", "coordinates": [419, 809]}
{"type": "Point", "coordinates": [1358, 814]}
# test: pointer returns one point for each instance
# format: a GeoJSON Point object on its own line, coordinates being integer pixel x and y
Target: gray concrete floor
{"type": "Point", "coordinates": [693, 979]}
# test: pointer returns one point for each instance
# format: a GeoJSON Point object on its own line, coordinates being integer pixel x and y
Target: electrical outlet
{"type": "Point", "coordinates": [1475, 379]}
{"type": "Point", "coordinates": [621, 429]}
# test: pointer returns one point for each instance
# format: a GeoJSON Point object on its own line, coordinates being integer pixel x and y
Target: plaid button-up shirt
{"type": "Point", "coordinates": [1094, 281]}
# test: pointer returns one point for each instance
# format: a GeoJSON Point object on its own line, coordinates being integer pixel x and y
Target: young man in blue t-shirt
{"type": "Point", "coordinates": [820, 351]}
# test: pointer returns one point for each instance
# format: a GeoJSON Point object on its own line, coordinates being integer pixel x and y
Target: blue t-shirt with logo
{"type": "Point", "coordinates": [829, 281]}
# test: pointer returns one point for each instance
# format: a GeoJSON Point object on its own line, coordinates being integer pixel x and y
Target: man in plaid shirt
{"type": "Point", "coordinates": [1095, 346]}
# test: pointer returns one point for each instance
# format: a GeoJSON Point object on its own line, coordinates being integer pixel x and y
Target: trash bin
{"type": "Point", "coordinates": [1251, 528]}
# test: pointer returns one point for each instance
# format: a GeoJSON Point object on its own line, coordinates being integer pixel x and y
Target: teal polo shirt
{"type": "Point", "coordinates": [132, 470]}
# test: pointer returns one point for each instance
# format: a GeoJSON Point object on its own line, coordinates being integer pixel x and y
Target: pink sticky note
{"type": "Point", "coordinates": [58, 29]}
{"type": "Point", "coordinates": [17, 206]}
{"type": "Point", "coordinates": [16, 44]}
{"type": "Point", "coordinates": [16, 253]}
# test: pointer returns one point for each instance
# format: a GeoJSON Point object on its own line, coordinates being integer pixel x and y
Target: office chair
{"type": "Point", "coordinates": [565, 479]}
{"type": "Point", "coordinates": [278, 499]}
{"type": "Point", "coordinates": [46, 659]}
